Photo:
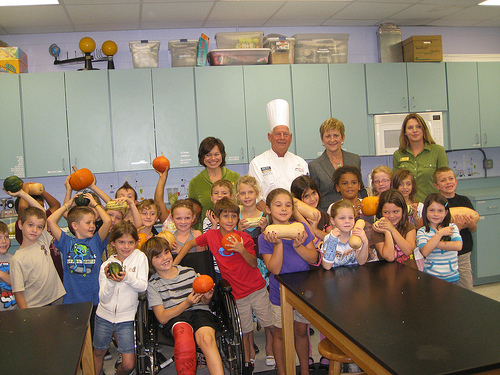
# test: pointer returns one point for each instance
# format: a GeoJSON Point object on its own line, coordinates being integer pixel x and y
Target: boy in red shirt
{"type": "Point", "coordinates": [238, 265]}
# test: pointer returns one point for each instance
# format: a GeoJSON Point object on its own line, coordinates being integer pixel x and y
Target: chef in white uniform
{"type": "Point", "coordinates": [277, 168]}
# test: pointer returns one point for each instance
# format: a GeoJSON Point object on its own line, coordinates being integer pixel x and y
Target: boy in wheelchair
{"type": "Point", "coordinates": [184, 314]}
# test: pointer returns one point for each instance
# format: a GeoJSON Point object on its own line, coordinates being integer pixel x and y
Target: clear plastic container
{"type": "Point", "coordinates": [145, 53]}
{"type": "Point", "coordinates": [241, 39]}
{"type": "Point", "coordinates": [252, 56]}
{"type": "Point", "coordinates": [282, 49]}
{"type": "Point", "coordinates": [320, 48]}
{"type": "Point", "coordinates": [184, 52]}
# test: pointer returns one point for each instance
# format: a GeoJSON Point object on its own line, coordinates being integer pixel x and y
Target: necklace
{"type": "Point", "coordinates": [337, 162]}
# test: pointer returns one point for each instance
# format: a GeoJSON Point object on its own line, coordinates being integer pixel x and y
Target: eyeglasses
{"type": "Point", "coordinates": [378, 182]}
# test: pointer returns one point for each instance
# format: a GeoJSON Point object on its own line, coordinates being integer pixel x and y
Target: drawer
{"type": "Point", "coordinates": [488, 206]}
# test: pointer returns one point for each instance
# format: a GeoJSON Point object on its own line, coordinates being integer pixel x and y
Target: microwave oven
{"type": "Point", "coordinates": [388, 128]}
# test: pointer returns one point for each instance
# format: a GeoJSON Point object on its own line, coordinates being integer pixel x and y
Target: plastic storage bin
{"type": "Point", "coordinates": [145, 53]}
{"type": "Point", "coordinates": [184, 52]}
{"type": "Point", "coordinates": [282, 49]}
{"type": "Point", "coordinates": [320, 48]}
{"type": "Point", "coordinates": [248, 56]}
{"type": "Point", "coordinates": [243, 39]}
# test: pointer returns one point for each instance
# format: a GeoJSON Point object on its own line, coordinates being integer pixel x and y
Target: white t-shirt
{"type": "Point", "coordinates": [274, 172]}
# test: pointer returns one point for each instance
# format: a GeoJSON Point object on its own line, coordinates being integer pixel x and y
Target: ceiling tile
{"type": "Point", "coordinates": [309, 10]}
{"type": "Point", "coordinates": [97, 2]}
{"type": "Point", "coordinates": [106, 26]}
{"type": "Point", "coordinates": [104, 14]}
{"type": "Point", "coordinates": [172, 24]}
{"type": "Point", "coordinates": [334, 22]}
{"type": "Point", "coordinates": [246, 10]}
{"type": "Point", "coordinates": [39, 16]}
{"type": "Point", "coordinates": [175, 12]}
{"type": "Point", "coordinates": [295, 23]}
{"type": "Point", "coordinates": [429, 12]}
{"type": "Point", "coordinates": [369, 10]}
{"type": "Point", "coordinates": [234, 23]}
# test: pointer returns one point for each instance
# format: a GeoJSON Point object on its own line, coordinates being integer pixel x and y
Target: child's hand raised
{"type": "Point", "coordinates": [67, 185]}
{"type": "Point", "coordinates": [90, 197]}
{"type": "Point", "coordinates": [211, 216]}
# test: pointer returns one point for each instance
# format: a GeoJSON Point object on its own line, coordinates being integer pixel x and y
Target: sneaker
{"type": "Point", "coordinates": [270, 360]}
{"type": "Point", "coordinates": [107, 356]}
{"type": "Point", "coordinates": [118, 360]}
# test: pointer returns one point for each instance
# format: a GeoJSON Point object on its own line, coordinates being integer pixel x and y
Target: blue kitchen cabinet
{"type": "Point", "coordinates": [348, 103]}
{"type": "Point", "coordinates": [400, 87]}
{"type": "Point", "coordinates": [488, 74]}
{"type": "Point", "coordinates": [220, 107]}
{"type": "Point", "coordinates": [11, 141]}
{"type": "Point", "coordinates": [89, 122]}
{"type": "Point", "coordinates": [311, 107]}
{"type": "Point", "coordinates": [463, 105]}
{"type": "Point", "coordinates": [45, 129]}
{"type": "Point", "coordinates": [175, 116]}
{"type": "Point", "coordinates": [264, 83]}
{"type": "Point", "coordinates": [131, 100]}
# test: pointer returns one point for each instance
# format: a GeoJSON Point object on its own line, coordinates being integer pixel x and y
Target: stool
{"type": "Point", "coordinates": [336, 356]}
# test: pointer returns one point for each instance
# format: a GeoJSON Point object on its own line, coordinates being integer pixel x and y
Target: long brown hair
{"type": "Point", "coordinates": [438, 198]}
{"type": "Point", "coordinates": [273, 194]}
{"type": "Point", "coordinates": [403, 139]}
{"type": "Point", "coordinates": [399, 176]}
{"type": "Point", "coordinates": [395, 197]}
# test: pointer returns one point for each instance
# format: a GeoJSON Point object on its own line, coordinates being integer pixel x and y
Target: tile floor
{"type": "Point", "coordinates": [489, 290]}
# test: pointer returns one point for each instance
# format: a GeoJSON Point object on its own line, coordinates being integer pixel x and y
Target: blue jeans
{"type": "Point", "coordinates": [103, 332]}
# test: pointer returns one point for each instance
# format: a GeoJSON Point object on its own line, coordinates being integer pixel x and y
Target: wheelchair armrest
{"type": "Point", "coordinates": [143, 296]}
{"type": "Point", "coordinates": [224, 285]}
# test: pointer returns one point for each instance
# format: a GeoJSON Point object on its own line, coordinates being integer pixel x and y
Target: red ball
{"type": "Point", "coordinates": [203, 284]}
{"type": "Point", "coordinates": [226, 244]}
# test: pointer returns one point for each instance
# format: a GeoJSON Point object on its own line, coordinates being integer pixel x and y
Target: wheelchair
{"type": "Point", "coordinates": [148, 336]}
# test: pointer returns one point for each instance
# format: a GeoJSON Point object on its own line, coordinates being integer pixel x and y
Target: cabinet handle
{"type": "Point", "coordinates": [76, 163]}
{"type": "Point", "coordinates": [241, 154]}
{"type": "Point", "coordinates": [403, 102]}
{"type": "Point", "coordinates": [414, 102]}
{"type": "Point", "coordinates": [150, 158]}
{"type": "Point", "coordinates": [253, 151]}
{"type": "Point", "coordinates": [492, 207]}
{"type": "Point", "coordinates": [477, 139]}
{"type": "Point", "coordinates": [63, 165]}
{"type": "Point", "coordinates": [485, 138]}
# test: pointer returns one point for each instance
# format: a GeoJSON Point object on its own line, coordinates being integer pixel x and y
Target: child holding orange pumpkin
{"type": "Point", "coordinates": [235, 256]}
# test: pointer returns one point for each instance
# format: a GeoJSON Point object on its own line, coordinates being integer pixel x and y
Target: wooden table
{"type": "Point", "coordinates": [392, 319]}
{"type": "Point", "coordinates": [50, 340]}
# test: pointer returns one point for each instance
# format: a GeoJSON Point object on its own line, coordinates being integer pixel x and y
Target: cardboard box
{"type": "Point", "coordinates": [13, 60]}
{"type": "Point", "coordinates": [423, 48]}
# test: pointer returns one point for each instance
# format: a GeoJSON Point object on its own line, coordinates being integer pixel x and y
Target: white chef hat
{"type": "Point", "coordinates": [278, 113]}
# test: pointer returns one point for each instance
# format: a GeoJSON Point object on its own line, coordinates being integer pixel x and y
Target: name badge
{"type": "Point", "coordinates": [406, 158]}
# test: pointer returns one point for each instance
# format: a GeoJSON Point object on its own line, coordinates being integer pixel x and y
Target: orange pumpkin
{"type": "Point", "coordinates": [203, 284]}
{"type": "Point", "coordinates": [80, 179]}
{"type": "Point", "coordinates": [161, 163]}
{"type": "Point", "coordinates": [369, 206]}
{"type": "Point", "coordinates": [142, 238]}
{"type": "Point", "coordinates": [226, 244]}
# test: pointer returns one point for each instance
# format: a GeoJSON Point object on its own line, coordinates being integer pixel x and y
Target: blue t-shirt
{"type": "Point", "coordinates": [292, 262]}
{"type": "Point", "coordinates": [81, 260]}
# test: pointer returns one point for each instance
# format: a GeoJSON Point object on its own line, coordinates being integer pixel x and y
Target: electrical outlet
{"type": "Point", "coordinates": [488, 163]}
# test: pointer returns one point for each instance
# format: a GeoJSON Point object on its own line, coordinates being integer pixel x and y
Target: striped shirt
{"type": "Point", "coordinates": [440, 263]}
{"type": "Point", "coordinates": [172, 292]}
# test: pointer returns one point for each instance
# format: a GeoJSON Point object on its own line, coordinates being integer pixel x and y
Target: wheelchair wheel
{"type": "Point", "coordinates": [144, 342]}
{"type": "Point", "coordinates": [230, 342]}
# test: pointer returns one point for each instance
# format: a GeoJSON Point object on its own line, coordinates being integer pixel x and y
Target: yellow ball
{"type": "Point", "coordinates": [109, 48]}
{"type": "Point", "coordinates": [87, 45]}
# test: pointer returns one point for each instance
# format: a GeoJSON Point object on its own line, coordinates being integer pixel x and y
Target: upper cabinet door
{"type": "Point", "coordinates": [489, 100]}
{"type": "Point", "coordinates": [220, 104]}
{"type": "Point", "coordinates": [89, 124]}
{"type": "Point", "coordinates": [463, 105]}
{"type": "Point", "coordinates": [132, 119]}
{"type": "Point", "coordinates": [348, 97]}
{"type": "Point", "coordinates": [311, 104]}
{"type": "Point", "coordinates": [386, 88]}
{"type": "Point", "coordinates": [44, 124]}
{"type": "Point", "coordinates": [264, 83]}
{"type": "Point", "coordinates": [427, 87]}
{"type": "Point", "coordinates": [11, 141]}
{"type": "Point", "coordinates": [175, 116]}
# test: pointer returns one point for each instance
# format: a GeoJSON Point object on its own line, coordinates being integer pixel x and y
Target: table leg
{"type": "Point", "coordinates": [288, 335]}
{"type": "Point", "coordinates": [87, 359]}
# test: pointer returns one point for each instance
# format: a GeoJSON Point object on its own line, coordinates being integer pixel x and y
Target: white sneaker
{"type": "Point", "coordinates": [270, 361]}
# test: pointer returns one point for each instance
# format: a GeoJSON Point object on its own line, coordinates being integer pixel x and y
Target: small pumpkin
{"type": "Point", "coordinates": [168, 236]}
{"type": "Point", "coordinates": [13, 184]}
{"type": "Point", "coordinates": [161, 163]}
{"type": "Point", "coordinates": [142, 238]}
{"type": "Point", "coordinates": [114, 268]}
{"type": "Point", "coordinates": [80, 200]}
{"type": "Point", "coordinates": [203, 284]}
{"type": "Point", "coordinates": [226, 244]}
{"type": "Point", "coordinates": [112, 205]}
{"type": "Point", "coordinates": [369, 205]}
{"type": "Point", "coordinates": [81, 179]}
